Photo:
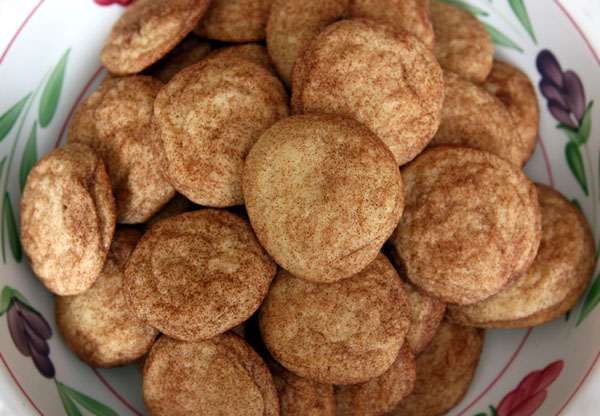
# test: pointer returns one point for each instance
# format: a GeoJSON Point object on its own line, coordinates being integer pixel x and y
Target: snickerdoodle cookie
{"type": "Point", "coordinates": [376, 73]}
{"type": "Point", "coordinates": [471, 224]}
{"type": "Point", "coordinates": [341, 333]}
{"type": "Point", "coordinates": [254, 52]}
{"type": "Point", "coordinates": [426, 314]}
{"type": "Point", "coordinates": [206, 119]}
{"type": "Point", "coordinates": [189, 51]}
{"type": "Point", "coordinates": [198, 274]}
{"type": "Point", "coordinates": [445, 370]}
{"type": "Point", "coordinates": [474, 117]}
{"type": "Point", "coordinates": [462, 43]}
{"type": "Point", "coordinates": [115, 122]}
{"type": "Point", "coordinates": [146, 31]}
{"type": "Point", "coordinates": [96, 324]}
{"type": "Point", "coordinates": [222, 375]}
{"type": "Point", "coordinates": [235, 20]}
{"type": "Point", "coordinates": [560, 273]}
{"type": "Point", "coordinates": [67, 218]}
{"type": "Point", "coordinates": [323, 193]}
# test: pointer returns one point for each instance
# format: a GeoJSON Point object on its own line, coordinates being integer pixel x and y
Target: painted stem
{"type": "Point", "coordinates": [503, 18]}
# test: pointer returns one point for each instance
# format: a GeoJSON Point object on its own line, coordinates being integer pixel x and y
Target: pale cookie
{"type": "Point", "coordinates": [551, 286]}
{"type": "Point", "coordinates": [198, 274]}
{"type": "Point", "coordinates": [426, 314]}
{"type": "Point", "coordinates": [341, 333]}
{"type": "Point", "coordinates": [146, 31]}
{"type": "Point", "coordinates": [378, 74]}
{"type": "Point", "coordinates": [254, 52]}
{"type": "Point", "coordinates": [474, 117]}
{"type": "Point", "coordinates": [219, 376]}
{"type": "Point", "coordinates": [67, 218]}
{"type": "Point", "coordinates": [206, 119]}
{"type": "Point", "coordinates": [471, 224]}
{"type": "Point", "coordinates": [115, 122]}
{"type": "Point", "coordinates": [189, 51]}
{"type": "Point", "coordinates": [323, 193]}
{"type": "Point", "coordinates": [97, 325]}
{"type": "Point", "coordinates": [462, 43]}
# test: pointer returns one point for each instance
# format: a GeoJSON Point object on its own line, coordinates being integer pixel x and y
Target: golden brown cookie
{"type": "Point", "coordinates": [96, 324]}
{"type": "Point", "coordinates": [382, 394]}
{"type": "Point", "coordinates": [254, 52]}
{"type": "Point", "coordinates": [551, 286]}
{"type": "Point", "coordinates": [474, 117]}
{"type": "Point", "coordinates": [198, 274]}
{"type": "Point", "coordinates": [323, 193]}
{"type": "Point", "coordinates": [341, 333]}
{"type": "Point", "coordinates": [291, 26]}
{"type": "Point", "coordinates": [410, 15]}
{"type": "Point", "coordinates": [376, 73]}
{"type": "Point", "coordinates": [462, 43]}
{"type": "Point", "coordinates": [206, 119]}
{"type": "Point", "coordinates": [67, 218]}
{"type": "Point", "coordinates": [471, 224]}
{"type": "Point", "coordinates": [189, 51]}
{"type": "Point", "coordinates": [115, 122]}
{"type": "Point", "coordinates": [517, 93]}
{"type": "Point", "coordinates": [445, 370]}
{"type": "Point", "coordinates": [222, 375]}
{"type": "Point", "coordinates": [146, 31]}
{"type": "Point", "coordinates": [236, 21]}
{"type": "Point", "coordinates": [426, 314]}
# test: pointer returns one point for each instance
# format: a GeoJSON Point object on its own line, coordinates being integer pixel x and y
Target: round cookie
{"type": "Point", "coordinates": [391, 82]}
{"type": "Point", "coordinates": [146, 31]}
{"type": "Point", "coordinates": [115, 122]}
{"type": "Point", "coordinates": [462, 43]}
{"type": "Point", "coordinates": [323, 193]}
{"type": "Point", "coordinates": [473, 117]}
{"type": "Point", "coordinates": [426, 314]}
{"type": "Point", "coordinates": [67, 218]}
{"type": "Point", "coordinates": [445, 370]}
{"type": "Point", "coordinates": [291, 26]}
{"type": "Point", "coordinates": [340, 333]}
{"type": "Point", "coordinates": [231, 377]}
{"type": "Point", "coordinates": [254, 52]}
{"type": "Point", "coordinates": [198, 274]}
{"type": "Point", "coordinates": [517, 93]}
{"type": "Point", "coordinates": [206, 119]}
{"type": "Point", "coordinates": [189, 51]}
{"type": "Point", "coordinates": [96, 324]}
{"type": "Point", "coordinates": [551, 286]}
{"type": "Point", "coordinates": [410, 15]}
{"type": "Point", "coordinates": [382, 394]}
{"type": "Point", "coordinates": [471, 224]}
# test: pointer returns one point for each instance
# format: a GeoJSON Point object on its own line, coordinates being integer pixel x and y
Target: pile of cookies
{"type": "Point", "coordinates": [323, 225]}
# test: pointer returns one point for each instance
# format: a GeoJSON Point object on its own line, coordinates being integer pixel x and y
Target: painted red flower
{"type": "Point", "coordinates": [109, 2]}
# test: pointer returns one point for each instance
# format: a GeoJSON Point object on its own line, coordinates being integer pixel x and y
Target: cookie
{"type": "Point", "coordinates": [445, 370]}
{"type": "Point", "coordinates": [382, 394]}
{"type": "Point", "coordinates": [293, 24]}
{"type": "Point", "coordinates": [235, 21]}
{"type": "Point", "coordinates": [323, 193]}
{"type": "Point", "coordinates": [232, 379]}
{"type": "Point", "coordinates": [517, 93]}
{"type": "Point", "coordinates": [206, 119]}
{"type": "Point", "coordinates": [254, 52]}
{"type": "Point", "coordinates": [146, 31]}
{"type": "Point", "coordinates": [474, 117]}
{"type": "Point", "coordinates": [115, 122]}
{"type": "Point", "coordinates": [426, 314]}
{"type": "Point", "coordinates": [471, 224]}
{"type": "Point", "coordinates": [67, 218]}
{"type": "Point", "coordinates": [462, 43]}
{"type": "Point", "coordinates": [189, 51]}
{"type": "Point", "coordinates": [551, 286]}
{"type": "Point", "coordinates": [378, 74]}
{"type": "Point", "coordinates": [198, 274]}
{"type": "Point", "coordinates": [340, 333]}
{"type": "Point", "coordinates": [96, 324]}
{"type": "Point", "coordinates": [410, 15]}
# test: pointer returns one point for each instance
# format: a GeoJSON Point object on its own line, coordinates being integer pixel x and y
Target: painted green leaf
{"type": "Point", "coordinates": [567, 315]}
{"type": "Point", "coordinates": [591, 300]}
{"type": "Point", "coordinates": [8, 119]}
{"type": "Point", "coordinates": [11, 228]}
{"type": "Point", "coordinates": [29, 156]}
{"type": "Point", "coordinates": [5, 299]}
{"type": "Point", "coordinates": [576, 202]}
{"type": "Point", "coordinates": [575, 161]}
{"type": "Point", "coordinates": [2, 162]}
{"type": "Point", "coordinates": [70, 408]}
{"type": "Point", "coordinates": [501, 39]}
{"type": "Point", "coordinates": [586, 122]}
{"type": "Point", "coordinates": [518, 8]}
{"type": "Point", "coordinates": [573, 135]}
{"type": "Point", "coordinates": [493, 410]}
{"type": "Point", "coordinates": [468, 7]}
{"type": "Point", "coordinates": [481, 414]}
{"type": "Point", "coordinates": [52, 89]}
{"type": "Point", "coordinates": [90, 404]}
